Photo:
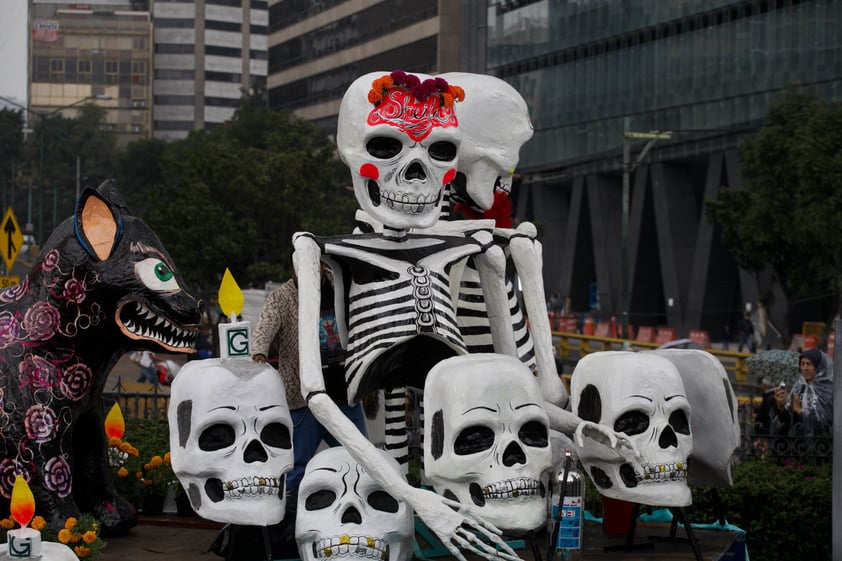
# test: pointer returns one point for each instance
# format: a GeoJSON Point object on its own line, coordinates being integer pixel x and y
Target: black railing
{"type": "Point", "coordinates": [151, 405]}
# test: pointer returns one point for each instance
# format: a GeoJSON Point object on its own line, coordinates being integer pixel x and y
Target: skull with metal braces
{"type": "Point", "coordinates": [343, 512]}
{"type": "Point", "coordinates": [643, 396]}
{"type": "Point", "coordinates": [230, 440]}
{"type": "Point", "coordinates": [486, 443]}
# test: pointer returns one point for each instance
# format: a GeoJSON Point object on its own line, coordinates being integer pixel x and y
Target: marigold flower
{"type": "Point", "coordinates": [458, 93]}
{"type": "Point", "coordinates": [7, 524]}
{"type": "Point", "coordinates": [122, 472]}
{"type": "Point", "coordinates": [446, 100]}
{"type": "Point", "coordinates": [70, 523]}
{"type": "Point", "coordinates": [148, 482]}
{"type": "Point", "coordinates": [81, 551]}
{"type": "Point", "coordinates": [89, 536]}
{"type": "Point", "coordinates": [38, 523]}
{"type": "Point", "coordinates": [167, 458]}
{"type": "Point", "coordinates": [64, 535]}
{"type": "Point", "coordinates": [138, 475]}
{"type": "Point", "coordinates": [147, 466]}
{"type": "Point", "coordinates": [75, 538]}
{"type": "Point", "coordinates": [156, 461]}
{"type": "Point", "coordinates": [374, 97]}
{"type": "Point", "coordinates": [114, 442]}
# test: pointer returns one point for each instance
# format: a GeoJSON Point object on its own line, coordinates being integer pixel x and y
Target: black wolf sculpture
{"type": "Point", "coordinates": [103, 284]}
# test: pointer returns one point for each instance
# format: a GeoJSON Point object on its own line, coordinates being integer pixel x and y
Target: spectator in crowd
{"type": "Point", "coordinates": [812, 395]}
{"type": "Point", "coordinates": [726, 337]}
{"type": "Point", "coordinates": [745, 332]}
{"type": "Point", "coordinates": [774, 418]}
{"type": "Point", "coordinates": [148, 369]}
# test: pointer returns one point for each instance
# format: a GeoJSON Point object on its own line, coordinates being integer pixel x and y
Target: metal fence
{"type": "Point", "coordinates": [150, 405]}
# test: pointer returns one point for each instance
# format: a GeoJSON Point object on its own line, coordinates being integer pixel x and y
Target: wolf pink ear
{"type": "Point", "coordinates": [97, 226]}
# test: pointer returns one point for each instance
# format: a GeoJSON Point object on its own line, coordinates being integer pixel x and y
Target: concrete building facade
{"type": "Point", "coordinates": [97, 49]}
{"type": "Point", "coordinates": [207, 55]}
{"type": "Point", "coordinates": [316, 49]}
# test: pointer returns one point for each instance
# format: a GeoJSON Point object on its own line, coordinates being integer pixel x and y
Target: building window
{"type": "Point", "coordinates": [139, 43]}
{"type": "Point", "coordinates": [139, 75]}
{"type": "Point", "coordinates": [112, 71]}
{"type": "Point", "coordinates": [84, 68]}
{"type": "Point", "coordinates": [56, 70]}
{"type": "Point", "coordinates": [223, 25]}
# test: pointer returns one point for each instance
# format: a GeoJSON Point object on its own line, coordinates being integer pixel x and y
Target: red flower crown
{"type": "Point", "coordinates": [446, 93]}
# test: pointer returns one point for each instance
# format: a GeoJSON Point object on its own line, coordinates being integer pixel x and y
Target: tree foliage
{"type": "Point", "coordinates": [234, 196]}
{"type": "Point", "coordinates": [787, 217]}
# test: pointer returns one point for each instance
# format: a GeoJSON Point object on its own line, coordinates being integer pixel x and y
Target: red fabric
{"type": "Point", "coordinates": [501, 211]}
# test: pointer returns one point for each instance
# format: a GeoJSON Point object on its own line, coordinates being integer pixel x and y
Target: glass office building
{"type": "Point", "coordinates": [707, 70]}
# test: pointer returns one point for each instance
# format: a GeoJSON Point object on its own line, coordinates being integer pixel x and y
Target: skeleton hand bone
{"type": "Point", "coordinates": [604, 435]}
{"type": "Point", "coordinates": [457, 527]}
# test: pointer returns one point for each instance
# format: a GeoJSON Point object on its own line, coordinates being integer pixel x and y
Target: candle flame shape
{"type": "Point", "coordinates": [231, 298]}
{"type": "Point", "coordinates": [23, 502]}
{"type": "Point", "coordinates": [115, 425]}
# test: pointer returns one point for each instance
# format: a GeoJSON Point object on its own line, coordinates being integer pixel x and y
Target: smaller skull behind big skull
{"type": "Point", "coordinates": [486, 441]}
{"type": "Point", "coordinates": [343, 512]}
{"type": "Point", "coordinates": [401, 149]}
{"type": "Point", "coordinates": [642, 395]}
{"type": "Point", "coordinates": [231, 440]}
{"type": "Point", "coordinates": [494, 120]}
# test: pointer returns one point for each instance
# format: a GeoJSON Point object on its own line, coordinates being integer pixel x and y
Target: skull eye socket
{"type": "Point", "coordinates": [534, 434]}
{"type": "Point", "coordinates": [473, 439]}
{"type": "Point", "coordinates": [319, 499]}
{"type": "Point", "coordinates": [384, 147]}
{"type": "Point", "coordinates": [383, 501]}
{"type": "Point", "coordinates": [276, 435]}
{"type": "Point", "coordinates": [679, 423]}
{"type": "Point", "coordinates": [217, 437]}
{"type": "Point", "coordinates": [442, 151]}
{"type": "Point", "coordinates": [632, 422]}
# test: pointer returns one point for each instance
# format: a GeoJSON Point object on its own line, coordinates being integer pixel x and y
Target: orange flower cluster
{"type": "Point", "coordinates": [122, 446]}
{"type": "Point", "coordinates": [447, 94]}
{"type": "Point", "coordinates": [83, 536]}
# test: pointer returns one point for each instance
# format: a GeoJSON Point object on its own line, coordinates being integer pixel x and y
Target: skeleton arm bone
{"type": "Point", "coordinates": [571, 425]}
{"type": "Point", "coordinates": [526, 254]}
{"type": "Point", "coordinates": [491, 266]}
{"type": "Point", "coordinates": [453, 527]}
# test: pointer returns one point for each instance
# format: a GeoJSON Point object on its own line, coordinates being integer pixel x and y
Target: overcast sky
{"type": "Point", "coordinates": [13, 49]}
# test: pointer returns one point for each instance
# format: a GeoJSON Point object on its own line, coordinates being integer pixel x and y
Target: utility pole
{"type": "Point", "coordinates": [628, 167]}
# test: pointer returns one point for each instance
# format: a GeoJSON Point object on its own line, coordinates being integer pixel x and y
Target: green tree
{"type": "Point", "coordinates": [11, 143]}
{"type": "Point", "coordinates": [787, 217]}
{"type": "Point", "coordinates": [233, 197]}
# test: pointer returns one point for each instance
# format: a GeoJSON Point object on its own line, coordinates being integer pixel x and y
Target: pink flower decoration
{"type": "Point", "coordinates": [40, 423]}
{"type": "Point", "coordinates": [75, 381]}
{"type": "Point", "coordinates": [9, 330]}
{"type": "Point", "coordinates": [74, 290]}
{"type": "Point", "coordinates": [15, 293]}
{"type": "Point", "coordinates": [38, 372]}
{"type": "Point", "coordinates": [41, 321]}
{"type": "Point", "coordinates": [57, 476]}
{"type": "Point", "coordinates": [8, 470]}
{"type": "Point", "coordinates": [50, 260]}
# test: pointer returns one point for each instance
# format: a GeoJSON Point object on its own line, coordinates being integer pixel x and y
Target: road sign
{"type": "Point", "coordinates": [11, 238]}
{"type": "Point", "coordinates": [8, 282]}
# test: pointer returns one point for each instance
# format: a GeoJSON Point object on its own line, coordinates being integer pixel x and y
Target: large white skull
{"type": "Point", "coordinates": [402, 152]}
{"type": "Point", "coordinates": [642, 395]}
{"type": "Point", "coordinates": [715, 426]}
{"type": "Point", "coordinates": [495, 123]}
{"type": "Point", "coordinates": [231, 440]}
{"type": "Point", "coordinates": [343, 512]}
{"type": "Point", "coordinates": [486, 438]}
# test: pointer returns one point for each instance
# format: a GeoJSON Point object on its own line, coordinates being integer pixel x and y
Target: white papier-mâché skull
{"type": "Point", "coordinates": [343, 512]}
{"type": "Point", "coordinates": [642, 395]}
{"type": "Point", "coordinates": [401, 149]}
{"type": "Point", "coordinates": [486, 438]}
{"type": "Point", "coordinates": [715, 426]}
{"type": "Point", "coordinates": [231, 440]}
{"type": "Point", "coordinates": [495, 123]}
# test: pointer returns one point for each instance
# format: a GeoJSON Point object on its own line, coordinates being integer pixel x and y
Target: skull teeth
{"type": "Point", "coordinates": [357, 546]}
{"type": "Point", "coordinates": [662, 473]}
{"type": "Point", "coordinates": [512, 489]}
{"type": "Point", "coordinates": [409, 203]}
{"type": "Point", "coordinates": [252, 486]}
{"type": "Point", "coordinates": [143, 323]}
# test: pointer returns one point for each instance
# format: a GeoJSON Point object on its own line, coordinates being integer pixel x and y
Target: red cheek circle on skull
{"type": "Point", "coordinates": [370, 171]}
{"type": "Point", "coordinates": [449, 176]}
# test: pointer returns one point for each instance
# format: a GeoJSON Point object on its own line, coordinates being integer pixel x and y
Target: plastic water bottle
{"type": "Point", "coordinates": [568, 524]}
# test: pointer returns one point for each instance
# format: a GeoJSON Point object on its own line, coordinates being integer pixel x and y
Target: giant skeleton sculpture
{"type": "Point", "coordinates": [494, 121]}
{"type": "Point", "coordinates": [399, 135]}
{"type": "Point", "coordinates": [103, 284]}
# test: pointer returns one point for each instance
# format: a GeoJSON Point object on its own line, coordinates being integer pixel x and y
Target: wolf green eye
{"type": "Point", "coordinates": [156, 275]}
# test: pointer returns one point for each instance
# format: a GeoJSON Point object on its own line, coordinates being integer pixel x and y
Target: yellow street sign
{"type": "Point", "coordinates": [8, 282]}
{"type": "Point", "coordinates": [11, 238]}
